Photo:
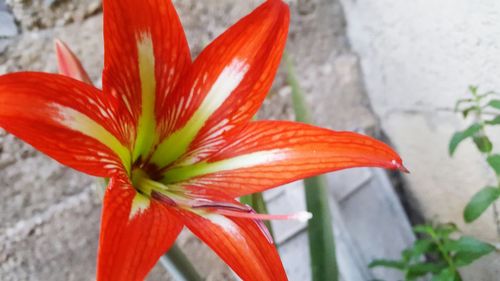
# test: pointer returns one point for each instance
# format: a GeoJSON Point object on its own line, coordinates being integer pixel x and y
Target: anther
{"type": "Point", "coordinates": [206, 203]}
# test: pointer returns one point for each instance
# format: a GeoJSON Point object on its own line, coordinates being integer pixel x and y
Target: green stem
{"type": "Point", "coordinates": [480, 120]}
{"type": "Point", "coordinates": [179, 266]}
{"type": "Point", "coordinates": [321, 239]}
{"type": "Point", "coordinates": [320, 229]}
{"type": "Point", "coordinates": [444, 253]}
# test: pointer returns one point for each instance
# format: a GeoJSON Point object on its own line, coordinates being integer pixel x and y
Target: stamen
{"type": "Point", "coordinates": [228, 209]}
{"type": "Point", "coordinates": [206, 203]}
{"type": "Point", "coordinates": [163, 199]}
{"type": "Point", "coordinates": [263, 228]}
{"type": "Point", "coordinates": [244, 211]}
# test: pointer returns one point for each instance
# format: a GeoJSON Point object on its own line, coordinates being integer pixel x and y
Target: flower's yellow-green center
{"type": "Point", "coordinates": [145, 185]}
{"type": "Point", "coordinates": [147, 189]}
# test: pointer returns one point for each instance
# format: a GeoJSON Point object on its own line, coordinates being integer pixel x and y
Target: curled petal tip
{"type": "Point", "coordinates": [404, 170]}
{"type": "Point", "coordinates": [399, 166]}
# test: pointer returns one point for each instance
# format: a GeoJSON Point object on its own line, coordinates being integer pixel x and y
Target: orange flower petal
{"type": "Point", "coordinates": [146, 53]}
{"type": "Point", "coordinates": [270, 153]}
{"type": "Point", "coordinates": [68, 64]}
{"type": "Point", "coordinates": [240, 243]}
{"type": "Point", "coordinates": [135, 232]}
{"type": "Point", "coordinates": [66, 119]}
{"type": "Point", "coordinates": [225, 86]}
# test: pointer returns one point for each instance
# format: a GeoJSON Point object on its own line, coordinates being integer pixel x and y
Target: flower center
{"type": "Point", "coordinates": [143, 183]}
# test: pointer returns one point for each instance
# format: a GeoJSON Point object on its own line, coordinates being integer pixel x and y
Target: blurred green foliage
{"type": "Point", "coordinates": [437, 253]}
{"type": "Point", "coordinates": [485, 111]}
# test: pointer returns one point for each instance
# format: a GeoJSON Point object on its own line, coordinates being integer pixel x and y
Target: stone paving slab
{"type": "Point", "coordinates": [374, 217]}
{"type": "Point", "coordinates": [368, 220]}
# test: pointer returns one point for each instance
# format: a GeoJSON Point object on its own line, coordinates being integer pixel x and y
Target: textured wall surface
{"type": "Point", "coordinates": [418, 58]}
{"type": "Point", "coordinates": [49, 215]}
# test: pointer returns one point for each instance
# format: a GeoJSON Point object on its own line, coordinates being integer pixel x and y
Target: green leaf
{"type": "Point", "coordinates": [463, 259]}
{"type": "Point", "coordinates": [423, 228]}
{"type": "Point", "coordinates": [469, 244]}
{"type": "Point", "coordinates": [494, 121]}
{"type": "Point", "coordinates": [494, 162]}
{"type": "Point", "coordinates": [473, 89]}
{"type": "Point", "coordinates": [447, 275]}
{"type": "Point", "coordinates": [466, 111]}
{"type": "Point", "coordinates": [420, 247]}
{"type": "Point", "coordinates": [483, 143]}
{"type": "Point", "coordinates": [468, 249]}
{"type": "Point", "coordinates": [458, 137]}
{"type": "Point", "coordinates": [407, 255]}
{"type": "Point", "coordinates": [387, 263]}
{"type": "Point", "coordinates": [480, 202]}
{"type": "Point", "coordinates": [494, 103]}
{"type": "Point", "coordinates": [320, 229]}
{"type": "Point", "coordinates": [444, 230]}
{"type": "Point", "coordinates": [423, 268]}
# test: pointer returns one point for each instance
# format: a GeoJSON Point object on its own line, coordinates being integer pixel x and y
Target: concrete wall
{"type": "Point", "coordinates": [418, 58]}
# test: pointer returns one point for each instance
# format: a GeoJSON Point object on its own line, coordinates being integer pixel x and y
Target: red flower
{"type": "Point", "coordinates": [175, 137]}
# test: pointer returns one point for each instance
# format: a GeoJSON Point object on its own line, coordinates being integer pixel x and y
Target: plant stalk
{"type": "Point", "coordinates": [320, 229]}
{"type": "Point", "coordinates": [444, 253]}
{"type": "Point", "coordinates": [179, 266]}
{"type": "Point", "coordinates": [480, 120]}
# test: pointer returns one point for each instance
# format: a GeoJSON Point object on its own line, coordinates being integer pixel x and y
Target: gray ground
{"type": "Point", "coordinates": [49, 215]}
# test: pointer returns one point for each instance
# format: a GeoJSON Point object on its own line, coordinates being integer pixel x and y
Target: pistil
{"type": "Point", "coordinates": [300, 216]}
{"type": "Point", "coordinates": [236, 210]}
{"type": "Point", "coordinates": [174, 196]}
